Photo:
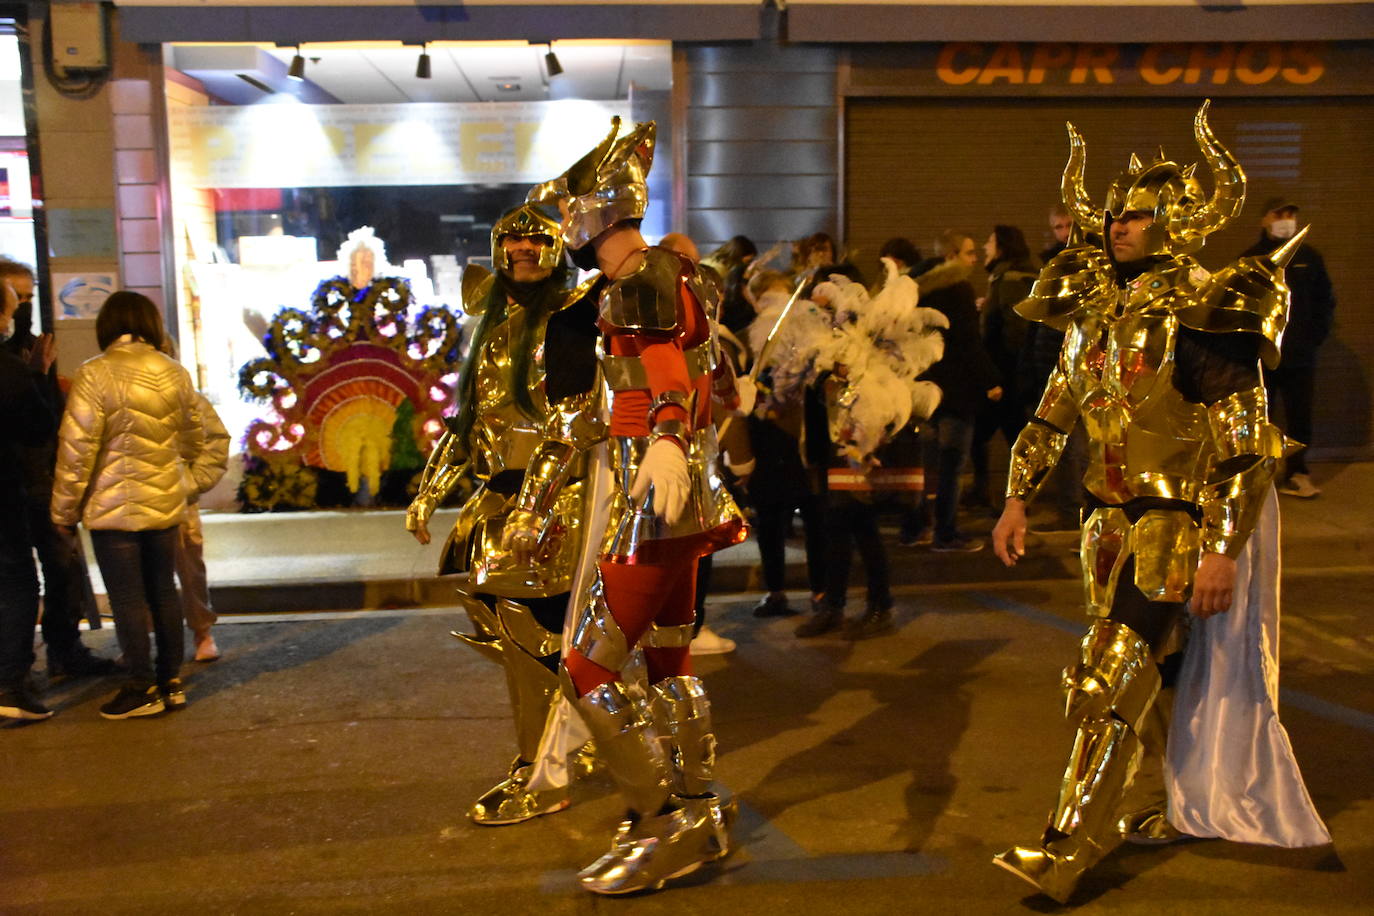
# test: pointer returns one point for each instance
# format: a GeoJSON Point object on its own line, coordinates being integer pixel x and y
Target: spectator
{"type": "Point", "coordinates": [781, 483]}
{"type": "Point", "coordinates": [207, 469]}
{"type": "Point", "coordinates": [1061, 223]}
{"type": "Point", "coordinates": [902, 253]}
{"type": "Point", "coordinates": [1011, 272]}
{"type": "Point", "coordinates": [1313, 305]}
{"type": "Point", "coordinates": [731, 263]}
{"type": "Point", "coordinates": [26, 416]}
{"type": "Point", "coordinates": [127, 450]}
{"type": "Point", "coordinates": [67, 593]}
{"type": "Point", "coordinates": [967, 378]}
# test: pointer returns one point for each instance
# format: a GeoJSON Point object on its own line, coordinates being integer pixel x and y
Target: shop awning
{"type": "Point", "coordinates": [1078, 20]}
{"type": "Point", "coordinates": [156, 21]}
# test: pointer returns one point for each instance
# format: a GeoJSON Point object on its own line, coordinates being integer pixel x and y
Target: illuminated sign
{"type": "Point", "coordinates": [311, 146]}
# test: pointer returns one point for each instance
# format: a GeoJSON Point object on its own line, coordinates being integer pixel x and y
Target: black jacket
{"type": "Point", "coordinates": [26, 416]}
{"type": "Point", "coordinates": [1313, 304]}
{"type": "Point", "coordinates": [965, 372]}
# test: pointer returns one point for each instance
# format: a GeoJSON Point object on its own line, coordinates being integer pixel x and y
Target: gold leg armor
{"type": "Point", "coordinates": [1109, 693]}
{"type": "Point", "coordinates": [1149, 826]}
{"type": "Point", "coordinates": [511, 636]}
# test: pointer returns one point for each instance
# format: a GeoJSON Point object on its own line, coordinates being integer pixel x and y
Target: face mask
{"type": "Point", "coordinates": [584, 258]}
{"type": "Point", "coordinates": [1283, 228]}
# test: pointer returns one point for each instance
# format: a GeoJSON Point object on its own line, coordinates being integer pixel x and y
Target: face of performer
{"type": "Point", "coordinates": [1060, 224]}
{"type": "Point", "coordinates": [523, 252]}
{"type": "Point", "coordinates": [1128, 235]}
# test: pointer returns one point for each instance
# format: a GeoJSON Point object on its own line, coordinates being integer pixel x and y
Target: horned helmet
{"type": "Point", "coordinates": [525, 221]}
{"type": "Point", "coordinates": [1183, 214]}
{"type": "Point", "coordinates": [604, 187]}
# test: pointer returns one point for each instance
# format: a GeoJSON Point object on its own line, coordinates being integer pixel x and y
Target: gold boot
{"type": "Point", "coordinates": [1109, 692]}
{"type": "Point", "coordinates": [511, 800]}
{"type": "Point", "coordinates": [1149, 826]}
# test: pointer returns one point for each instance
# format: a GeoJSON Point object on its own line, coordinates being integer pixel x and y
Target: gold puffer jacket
{"type": "Point", "coordinates": [129, 442]}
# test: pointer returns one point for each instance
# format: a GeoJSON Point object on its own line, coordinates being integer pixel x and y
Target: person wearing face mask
{"type": "Point", "coordinates": [1310, 315]}
{"type": "Point", "coordinates": [27, 418]}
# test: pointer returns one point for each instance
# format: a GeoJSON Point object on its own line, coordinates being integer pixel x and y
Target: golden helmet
{"type": "Point", "coordinates": [1183, 214]}
{"type": "Point", "coordinates": [527, 221]}
{"type": "Point", "coordinates": [606, 186]}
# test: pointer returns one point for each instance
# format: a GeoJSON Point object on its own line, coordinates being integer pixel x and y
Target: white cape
{"type": "Point", "coordinates": [1230, 771]}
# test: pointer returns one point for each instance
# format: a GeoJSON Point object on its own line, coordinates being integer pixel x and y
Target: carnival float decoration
{"type": "Point", "coordinates": [356, 386]}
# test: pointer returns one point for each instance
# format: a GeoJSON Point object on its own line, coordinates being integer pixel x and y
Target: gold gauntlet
{"type": "Point", "coordinates": [1248, 448]}
{"type": "Point", "coordinates": [445, 467]}
{"type": "Point", "coordinates": [1032, 457]}
{"type": "Point", "coordinates": [548, 470]}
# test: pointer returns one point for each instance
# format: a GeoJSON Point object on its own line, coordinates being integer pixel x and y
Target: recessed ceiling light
{"type": "Point", "coordinates": [508, 87]}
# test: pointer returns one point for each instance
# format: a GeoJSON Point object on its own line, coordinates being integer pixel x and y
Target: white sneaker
{"type": "Point", "coordinates": [1301, 486]}
{"type": "Point", "coordinates": [709, 642]}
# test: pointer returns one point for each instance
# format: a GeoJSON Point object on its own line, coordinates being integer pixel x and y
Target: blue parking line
{"type": "Point", "coordinates": [1334, 712]}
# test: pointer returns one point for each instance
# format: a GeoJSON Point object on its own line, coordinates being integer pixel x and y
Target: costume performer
{"type": "Point", "coordinates": [530, 409]}
{"type": "Point", "coordinates": [1161, 364]}
{"type": "Point", "coordinates": [668, 509]}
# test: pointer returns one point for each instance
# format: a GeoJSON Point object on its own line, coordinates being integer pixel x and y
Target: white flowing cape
{"type": "Point", "coordinates": [1230, 770]}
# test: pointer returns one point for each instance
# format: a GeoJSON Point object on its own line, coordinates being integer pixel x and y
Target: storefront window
{"type": "Point", "coordinates": [270, 175]}
{"type": "Point", "coordinates": [16, 202]}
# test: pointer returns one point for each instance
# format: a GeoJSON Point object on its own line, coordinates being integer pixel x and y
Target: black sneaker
{"type": "Point", "coordinates": [173, 694]}
{"type": "Point", "coordinates": [132, 701]}
{"type": "Point", "coordinates": [957, 545]}
{"type": "Point", "coordinates": [875, 622]}
{"type": "Point", "coordinates": [19, 702]}
{"type": "Point", "coordinates": [822, 621]}
{"type": "Point", "coordinates": [80, 663]}
{"type": "Point", "coordinates": [774, 606]}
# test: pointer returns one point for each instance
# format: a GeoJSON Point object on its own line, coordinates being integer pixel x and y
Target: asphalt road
{"type": "Point", "coordinates": [325, 764]}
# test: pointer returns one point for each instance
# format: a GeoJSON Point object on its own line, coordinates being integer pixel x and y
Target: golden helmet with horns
{"type": "Point", "coordinates": [527, 221]}
{"type": "Point", "coordinates": [604, 187]}
{"type": "Point", "coordinates": [1183, 214]}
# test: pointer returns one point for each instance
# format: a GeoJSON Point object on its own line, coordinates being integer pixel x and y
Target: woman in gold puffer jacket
{"type": "Point", "coordinates": [126, 459]}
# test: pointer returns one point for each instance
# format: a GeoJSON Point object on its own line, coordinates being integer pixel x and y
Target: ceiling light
{"type": "Point", "coordinates": [297, 69]}
{"type": "Point", "coordinates": [422, 68]}
{"type": "Point", "coordinates": [508, 87]}
{"type": "Point", "coordinates": [551, 62]}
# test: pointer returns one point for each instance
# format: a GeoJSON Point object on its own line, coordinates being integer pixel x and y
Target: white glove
{"type": "Point", "coordinates": [665, 469]}
{"type": "Point", "coordinates": [748, 395]}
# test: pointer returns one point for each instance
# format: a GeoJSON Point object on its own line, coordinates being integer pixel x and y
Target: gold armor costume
{"type": "Point", "coordinates": [1172, 475]}
{"type": "Point", "coordinates": [527, 465]}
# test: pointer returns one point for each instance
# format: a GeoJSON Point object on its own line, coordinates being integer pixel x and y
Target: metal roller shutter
{"type": "Point", "coordinates": [915, 167]}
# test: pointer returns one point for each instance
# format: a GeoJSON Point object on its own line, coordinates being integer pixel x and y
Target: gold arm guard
{"type": "Point", "coordinates": [445, 467]}
{"type": "Point", "coordinates": [572, 427]}
{"type": "Point", "coordinates": [1035, 453]}
{"type": "Point", "coordinates": [1248, 448]}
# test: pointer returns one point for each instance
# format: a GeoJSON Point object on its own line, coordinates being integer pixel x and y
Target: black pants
{"type": "Point", "coordinates": [849, 524]}
{"type": "Point", "coordinates": [1293, 387]}
{"type": "Point", "coordinates": [66, 583]}
{"type": "Point", "coordinates": [18, 596]}
{"type": "Point", "coordinates": [771, 523]}
{"type": "Point", "coordinates": [1007, 415]}
{"type": "Point", "coordinates": [137, 567]}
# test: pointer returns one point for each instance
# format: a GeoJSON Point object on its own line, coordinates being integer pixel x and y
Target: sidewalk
{"type": "Point", "coordinates": [363, 559]}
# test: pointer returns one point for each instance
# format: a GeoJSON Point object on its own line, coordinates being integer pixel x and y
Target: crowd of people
{"type": "Point", "coordinates": [124, 449]}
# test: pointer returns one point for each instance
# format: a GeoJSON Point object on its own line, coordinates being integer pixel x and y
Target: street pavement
{"type": "Point", "coordinates": [324, 765]}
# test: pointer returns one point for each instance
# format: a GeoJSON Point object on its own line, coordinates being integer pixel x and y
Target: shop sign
{"type": "Point", "coordinates": [304, 146]}
{"type": "Point", "coordinates": [1064, 68]}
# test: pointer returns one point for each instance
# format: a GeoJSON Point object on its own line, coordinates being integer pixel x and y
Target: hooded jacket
{"type": "Point", "coordinates": [129, 442]}
{"type": "Point", "coordinates": [966, 372]}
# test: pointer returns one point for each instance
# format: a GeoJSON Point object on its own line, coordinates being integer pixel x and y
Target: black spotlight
{"type": "Point", "coordinates": [297, 69]}
{"type": "Point", "coordinates": [422, 68]}
{"type": "Point", "coordinates": [551, 62]}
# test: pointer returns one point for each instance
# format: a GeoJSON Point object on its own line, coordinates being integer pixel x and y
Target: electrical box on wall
{"type": "Point", "coordinates": [78, 36]}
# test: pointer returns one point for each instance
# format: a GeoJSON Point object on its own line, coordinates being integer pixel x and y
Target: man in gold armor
{"type": "Point", "coordinates": [529, 411]}
{"type": "Point", "coordinates": [1160, 364]}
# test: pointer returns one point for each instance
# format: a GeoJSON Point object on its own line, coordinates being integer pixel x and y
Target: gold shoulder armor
{"type": "Point", "coordinates": [645, 300]}
{"type": "Point", "coordinates": [1247, 295]}
{"type": "Point", "coordinates": [477, 282]}
{"type": "Point", "coordinates": [1076, 279]}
